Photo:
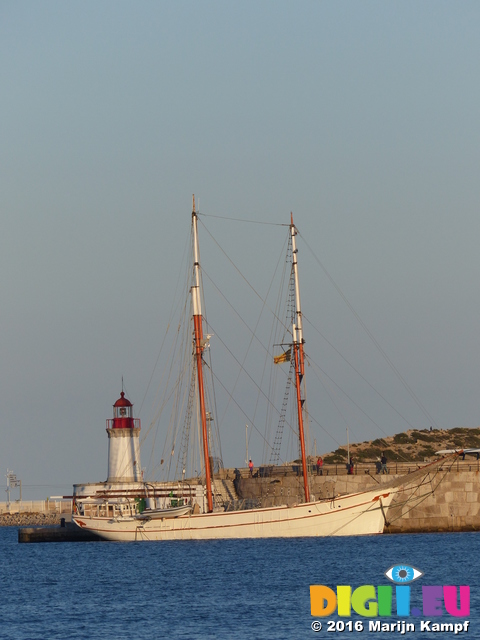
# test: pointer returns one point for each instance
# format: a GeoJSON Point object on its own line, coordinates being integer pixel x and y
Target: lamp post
{"type": "Point", "coordinates": [12, 482]}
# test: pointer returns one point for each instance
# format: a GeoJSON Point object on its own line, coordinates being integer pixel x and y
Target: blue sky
{"type": "Point", "coordinates": [361, 118]}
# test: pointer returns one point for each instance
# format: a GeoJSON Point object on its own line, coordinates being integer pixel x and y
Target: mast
{"type": "Point", "coordinates": [199, 347]}
{"type": "Point", "coordinates": [299, 360]}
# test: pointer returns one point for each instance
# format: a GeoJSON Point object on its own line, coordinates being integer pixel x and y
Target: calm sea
{"type": "Point", "coordinates": [221, 589]}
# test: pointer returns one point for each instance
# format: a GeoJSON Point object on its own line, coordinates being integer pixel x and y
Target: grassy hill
{"type": "Point", "coordinates": [412, 445]}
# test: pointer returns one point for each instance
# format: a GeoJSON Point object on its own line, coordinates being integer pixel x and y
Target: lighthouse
{"type": "Point", "coordinates": [125, 489]}
{"type": "Point", "coordinates": [123, 443]}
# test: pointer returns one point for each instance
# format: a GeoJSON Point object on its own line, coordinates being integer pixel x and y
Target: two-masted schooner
{"type": "Point", "coordinates": [353, 514]}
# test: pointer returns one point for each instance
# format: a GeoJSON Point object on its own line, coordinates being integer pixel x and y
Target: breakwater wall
{"type": "Point", "coordinates": [29, 519]}
{"type": "Point", "coordinates": [448, 500]}
{"type": "Point", "coordinates": [56, 506]}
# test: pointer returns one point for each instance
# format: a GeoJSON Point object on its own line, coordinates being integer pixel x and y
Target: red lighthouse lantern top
{"type": "Point", "coordinates": [122, 413]}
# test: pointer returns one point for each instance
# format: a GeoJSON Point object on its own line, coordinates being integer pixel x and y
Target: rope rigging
{"type": "Point", "coordinates": [277, 444]}
{"type": "Point", "coordinates": [183, 393]}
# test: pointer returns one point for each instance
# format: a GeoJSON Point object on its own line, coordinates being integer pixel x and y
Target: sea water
{"type": "Point", "coordinates": [252, 589]}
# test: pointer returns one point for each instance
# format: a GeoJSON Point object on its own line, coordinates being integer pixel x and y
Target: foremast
{"type": "Point", "coordinates": [299, 359]}
{"type": "Point", "coordinates": [199, 347]}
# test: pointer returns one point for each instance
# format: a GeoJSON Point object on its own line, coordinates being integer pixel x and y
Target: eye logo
{"type": "Point", "coordinates": [403, 573]}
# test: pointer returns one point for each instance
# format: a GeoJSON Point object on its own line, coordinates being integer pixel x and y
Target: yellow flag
{"type": "Point", "coordinates": [285, 357]}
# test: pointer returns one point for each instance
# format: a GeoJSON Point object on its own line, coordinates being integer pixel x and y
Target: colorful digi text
{"type": "Point", "coordinates": [443, 608]}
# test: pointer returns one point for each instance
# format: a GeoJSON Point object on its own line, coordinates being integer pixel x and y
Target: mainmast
{"type": "Point", "coordinates": [299, 360]}
{"type": "Point", "coordinates": [199, 347]}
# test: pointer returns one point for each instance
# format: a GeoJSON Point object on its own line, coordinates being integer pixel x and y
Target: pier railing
{"type": "Point", "coordinates": [359, 468]}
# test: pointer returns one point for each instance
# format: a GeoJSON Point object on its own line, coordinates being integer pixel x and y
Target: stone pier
{"type": "Point", "coordinates": [445, 501]}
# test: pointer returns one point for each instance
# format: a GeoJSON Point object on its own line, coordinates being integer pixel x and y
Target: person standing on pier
{"type": "Point", "coordinates": [319, 466]}
{"type": "Point", "coordinates": [383, 468]}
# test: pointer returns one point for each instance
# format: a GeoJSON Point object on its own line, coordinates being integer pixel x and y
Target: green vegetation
{"type": "Point", "coordinates": [427, 437]}
{"type": "Point", "coordinates": [403, 438]}
{"type": "Point", "coordinates": [472, 441]}
{"type": "Point", "coordinates": [333, 459]}
{"type": "Point", "coordinates": [414, 446]}
{"type": "Point", "coordinates": [426, 452]}
{"type": "Point", "coordinates": [370, 453]}
{"type": "Point", "coordinates": [393, 456]}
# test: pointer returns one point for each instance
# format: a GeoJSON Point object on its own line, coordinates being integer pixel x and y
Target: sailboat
{"type": "Point", "coordinates": [362, 513]}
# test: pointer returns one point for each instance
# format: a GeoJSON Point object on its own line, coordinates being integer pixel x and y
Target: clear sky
{"type": "Point", "coordinates": [360, 117]}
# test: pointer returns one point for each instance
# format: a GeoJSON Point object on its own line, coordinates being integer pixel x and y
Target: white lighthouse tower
{"type": "Point", "coordinates": [124, 491]}
{"type": "Point", "coordinates": [123, 444]}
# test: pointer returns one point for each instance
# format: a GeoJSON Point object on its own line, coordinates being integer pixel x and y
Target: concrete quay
{"type": "Point", "coordinates": [65, 532]}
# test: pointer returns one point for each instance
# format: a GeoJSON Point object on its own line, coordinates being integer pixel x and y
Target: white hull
{"type": "Point", "coordinates": [351, 515]}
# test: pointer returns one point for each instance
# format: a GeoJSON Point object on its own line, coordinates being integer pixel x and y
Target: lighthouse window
{"type": "Point", "coordinates": [122, 412]}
